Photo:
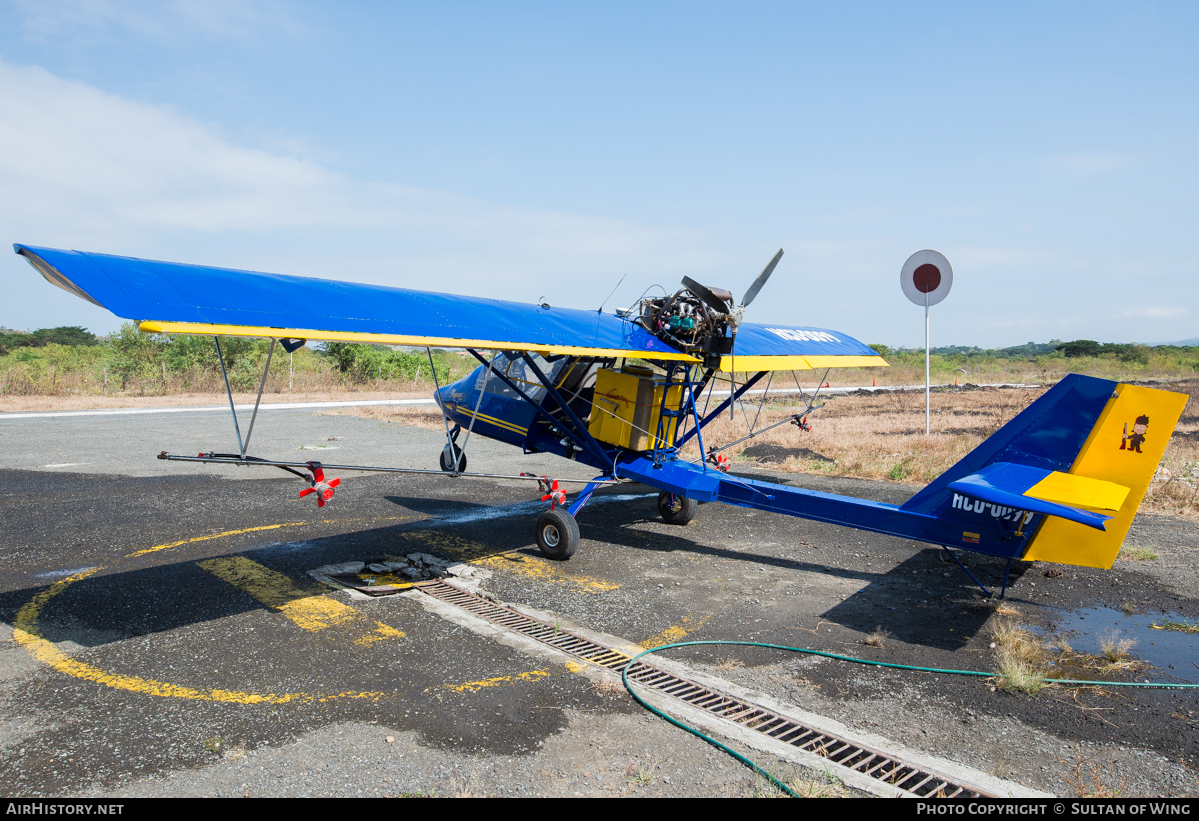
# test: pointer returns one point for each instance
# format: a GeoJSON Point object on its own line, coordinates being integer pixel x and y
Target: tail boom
{"type": "Point", "coordinates": [1061, 482]}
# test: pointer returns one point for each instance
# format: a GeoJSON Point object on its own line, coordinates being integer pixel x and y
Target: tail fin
{"type": "Point", "coordinates": [1067, 456]}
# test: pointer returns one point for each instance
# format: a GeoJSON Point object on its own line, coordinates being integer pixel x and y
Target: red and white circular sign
{"type": "Point", "coordinates": [926, 277]}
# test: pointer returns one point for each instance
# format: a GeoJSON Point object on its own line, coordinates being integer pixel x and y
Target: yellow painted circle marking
{"type": "Point", "coordinates": [28, 634]}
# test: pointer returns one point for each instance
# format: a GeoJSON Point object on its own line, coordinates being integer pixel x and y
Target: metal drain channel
{"type": "Point", "coordinates": [877, 765]}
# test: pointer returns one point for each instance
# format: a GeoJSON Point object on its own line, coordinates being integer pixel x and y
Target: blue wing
{"type": "Point", "coordinates": [170, 297]}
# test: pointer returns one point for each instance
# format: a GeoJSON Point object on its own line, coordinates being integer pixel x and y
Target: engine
{"type": "Point", "coordinates": [688, 321]}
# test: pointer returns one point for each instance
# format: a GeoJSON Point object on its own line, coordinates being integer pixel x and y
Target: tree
{"type": "Point", "coordinates": [1080, 347]}
{"type": "Point", "coordinates": [136, 355]}
{"type": "Point", "coordinates": [63, 335]}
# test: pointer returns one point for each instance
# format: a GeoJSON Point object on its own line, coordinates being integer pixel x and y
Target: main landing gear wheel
{"type": "Point", "coordinates": [447, 461]}
{"type": "Point", "coordinates": [675, 509]}
{"type": "Point", "coordinates": [557, 534]}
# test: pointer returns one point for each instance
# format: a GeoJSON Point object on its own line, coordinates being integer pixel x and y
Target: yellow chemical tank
{"type": "Point", "coordinates": [627, 407]}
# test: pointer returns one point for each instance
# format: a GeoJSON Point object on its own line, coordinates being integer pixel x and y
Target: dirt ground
{"type": "Point", "coordinates": [880, 435]}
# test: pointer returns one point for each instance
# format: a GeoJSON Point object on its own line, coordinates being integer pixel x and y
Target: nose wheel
{"type": "Point", "coordinates": [557, 534]}
{"type": "Point", "coordinates": [676, 510]}
{"type": "Point", "coordinates": [447, 460]}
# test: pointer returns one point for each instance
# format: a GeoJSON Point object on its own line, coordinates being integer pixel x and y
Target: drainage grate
{"type": "Point", "coordinates": [877, 765]}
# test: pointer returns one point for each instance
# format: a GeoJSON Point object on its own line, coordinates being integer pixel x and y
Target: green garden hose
{"type": "Point", "coordinates": [624, 676]}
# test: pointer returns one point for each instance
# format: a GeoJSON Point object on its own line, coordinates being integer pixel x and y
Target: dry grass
{"type": "Point", "coordinates": [468, 788]}
{"type": "Point", "coordinates": [609, 689]}
{"type": "Point", "coordinates": [997, 606]}
{"type": "Point", "coordinates": [1115, 649]}
{"type": "Point", "coordinates": [881, 436]}
{"type": "Point", "coordinates": [877, 638]}
{"type": "Point", "coordinates": [1061, 645]}
{"type": "Point", "coordinates": [876, 436]}
{"type": "Point", "coordinates": [1137, 554]}
{"type": "Point", "coordinates": [1091, 779]}
{"type": "Point", "coordinates": [1022, 660]}
{"type": "Point", "coordinates": [1113, 655]}
{"type": "Point", "coordinates": [908, 369]}
{"type": "Point", "coordinates": [420, 416]}
{"type": "Point", "coordinates": [809, 788]}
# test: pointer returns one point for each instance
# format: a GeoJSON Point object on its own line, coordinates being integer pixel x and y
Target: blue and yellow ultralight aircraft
{"type": "Point", "coordinates": [1061, 482]}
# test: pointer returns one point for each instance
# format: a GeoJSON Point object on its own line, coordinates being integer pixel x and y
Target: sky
{"type": "Point", "coordinates": [532, 151]}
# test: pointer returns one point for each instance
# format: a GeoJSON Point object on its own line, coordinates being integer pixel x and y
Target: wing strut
{"type": "Point", "coordinates": [243, 445]}
{"type": "Point", "coordinates": [229, 392]}
{"type": "Point", "coordinates": [455, 452]}
{"type": "Point", "coordinates": [733, 396]}
{"type": "Point", "coordinates": [588, 443]}
{"type": "Point", "coordinates": [762, 404]}
{"type": "Point", "coordinates": [262, 384]}
{"type": "Point", "coordinates": [479, 401]}
{"type": "Point", "coordinates": [588, 440]}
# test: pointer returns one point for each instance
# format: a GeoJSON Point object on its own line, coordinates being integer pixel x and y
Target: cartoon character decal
{"type": "Point", "coordinates": [1133, 443]}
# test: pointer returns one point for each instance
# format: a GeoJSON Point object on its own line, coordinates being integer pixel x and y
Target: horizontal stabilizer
{"type": "Point", "coordinates": [1042, 491]}
{"type": "Point", "coordinates": [1079, 491]}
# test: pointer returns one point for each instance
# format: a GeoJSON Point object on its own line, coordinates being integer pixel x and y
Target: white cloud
{"type": "Point", "coordinates": [85, 169]}
{"type": "Point", "coordinates": [1154, 312]}
{"type": "Point", "coordinates": [1092, 163]}
{"type": "Point", "coordinates": [145, 19]}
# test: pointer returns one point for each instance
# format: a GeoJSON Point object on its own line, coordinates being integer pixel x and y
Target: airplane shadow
{"type": "Point", "coordinates": [925, 600]}
{"type": "Point", "coordinates": [118, 605]}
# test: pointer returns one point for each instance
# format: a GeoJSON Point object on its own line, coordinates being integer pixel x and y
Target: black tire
{"type": "Point", "coordinates": [447, 461]}
{"type": "Point", "coordinates": [557, 534]}
{"type": "Point", "coordinates": [675, 509]}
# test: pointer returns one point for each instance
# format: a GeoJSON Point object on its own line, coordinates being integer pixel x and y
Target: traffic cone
{"type": "Point", "coordinates": [874, 383]}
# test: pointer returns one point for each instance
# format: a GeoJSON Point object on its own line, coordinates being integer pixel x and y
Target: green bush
{"type": "Point", "coordinates": [70, 335]}
{"type": "Point", "coordinates": [136, 355]}
{"type": "Point", "coordinates": [363, 363]}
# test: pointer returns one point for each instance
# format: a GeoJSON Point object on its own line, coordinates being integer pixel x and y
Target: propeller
{"type": "Point", "coordinates": [554, 496]}
{"type": "Point", "coordinates": [748, 298]}
{"type": "Point", "coordinates": [709, 295]}
{"type": "Point", "coordinates": [322, 489]}
{"type": "Point", "coordinates": [721, 302]}
{"type": "Point", "coordinates": [761, 280]}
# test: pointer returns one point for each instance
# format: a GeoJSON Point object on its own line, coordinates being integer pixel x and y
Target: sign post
{"type": "Point", "coordinates": [926, 279]}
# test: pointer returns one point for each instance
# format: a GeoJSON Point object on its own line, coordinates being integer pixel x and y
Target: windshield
{"type": "Point", "coordinates": [513, 366]}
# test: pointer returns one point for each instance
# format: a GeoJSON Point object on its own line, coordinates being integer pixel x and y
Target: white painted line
{"type": "Point", "coordinates": [56, 573]}
{"type": "Point", "coordinates": [211, 408]}
{"type": "Point", "coordinates": [67, 465]}
{"type": "Point", "coordinates": [870, 388]}
{"type": "Point", "coordinates": [369, 402]}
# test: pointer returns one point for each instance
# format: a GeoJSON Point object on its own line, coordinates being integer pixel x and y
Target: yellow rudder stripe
{"type": "Point", "coordinates": [1131, 466]}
